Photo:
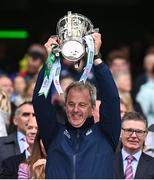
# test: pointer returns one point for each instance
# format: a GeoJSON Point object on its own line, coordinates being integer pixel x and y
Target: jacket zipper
{"type": "Point", "coordinates": [74, 166]}
{"type": "Point", "coordinates": [74, 156]}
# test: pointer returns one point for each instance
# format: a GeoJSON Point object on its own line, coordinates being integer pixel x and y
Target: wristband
{"type": "Point", "coordinates": [98, 56]}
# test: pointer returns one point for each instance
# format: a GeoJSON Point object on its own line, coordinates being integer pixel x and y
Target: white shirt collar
{"type": "Point", "coordinates": [136, 155]}
{"type": "Point", "coordinates": [20, 135]}
{"type": "Point", "coordinates": [27, 153]}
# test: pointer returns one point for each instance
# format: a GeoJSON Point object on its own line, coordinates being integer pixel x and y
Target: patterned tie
{"type": "Point", "coordinates": [26, 145]}
{"type": "Point", "coordinates": [129, 169]}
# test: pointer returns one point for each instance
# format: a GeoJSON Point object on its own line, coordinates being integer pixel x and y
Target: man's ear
{"type": "Point", "coordinates": [93, 109]}
{"type": "Point", "coordinates": [15, 121]}
{"type": "Point", "coordinates": [146, 134]}
{"type": "Point", "coordinates": [91, 112]}
{"type": "Point", "coordinates": [121, 134]}
{"type": "Point", "coordinates": [95, 113]}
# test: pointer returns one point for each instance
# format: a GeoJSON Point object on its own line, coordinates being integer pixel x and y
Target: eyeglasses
{"type": "Point", "coordinates": [26, 114]}
{"type": "Point", "coordinates": [138, 132]}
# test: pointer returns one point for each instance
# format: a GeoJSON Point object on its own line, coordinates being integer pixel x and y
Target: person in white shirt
{"type": "Point", "coordinates": [5, 113]}
{"type": "Point", "coordinates": [9, 169]}
{"type": "Point", "coordinates": [14, 143]}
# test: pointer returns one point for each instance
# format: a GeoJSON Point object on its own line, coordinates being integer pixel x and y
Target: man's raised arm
{"type": "Point", "coordinates": [44, 110]}
{"type": "Point", "coordinates": [110, 102]}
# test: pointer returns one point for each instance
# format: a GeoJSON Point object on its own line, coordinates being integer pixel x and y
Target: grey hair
{"type": "Point", "coordinates": [80, 85]}
{"type": "Point", "coordinates": [18, 110]}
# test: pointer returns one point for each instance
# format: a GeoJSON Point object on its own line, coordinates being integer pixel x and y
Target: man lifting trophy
{"type": "Point", "coordinates": [78, 147]}
{"type": "Point", "coordinates": [73, 43]}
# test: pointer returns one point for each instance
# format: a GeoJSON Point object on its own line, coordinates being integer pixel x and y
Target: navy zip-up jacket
{"type": "Point", "coordinates": [85, 152]}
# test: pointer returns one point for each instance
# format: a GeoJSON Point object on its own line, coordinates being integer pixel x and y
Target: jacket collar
{"type": "Point", "coordinates": [11, 138]}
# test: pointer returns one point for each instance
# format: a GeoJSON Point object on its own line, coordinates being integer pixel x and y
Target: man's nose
{"type": "Point", "coordinates": [75, 108]}
{"type": "Point", "coordinates": [134, 134]}
{"type": "Point", "coordinates": [34, 131]}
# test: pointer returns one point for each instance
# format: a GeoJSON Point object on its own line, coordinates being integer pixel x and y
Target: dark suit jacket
{"type": "Point", "coordinates": [9, 168]}
{"type": "Point", "coordinates": [8, 146]}
{"type": "Point", "coordinates": [145, 168]}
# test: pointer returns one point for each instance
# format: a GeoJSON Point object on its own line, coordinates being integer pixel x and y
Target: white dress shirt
{"type": "Point", "coordinates": [21, 142]}
{"type": "Point", "coordinates": [27, 153]}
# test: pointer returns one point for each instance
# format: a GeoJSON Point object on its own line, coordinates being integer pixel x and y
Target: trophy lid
{"type": "Point", "coordinates": [71, 29]}
{"type": "Point", "coordinates": [74, 26]}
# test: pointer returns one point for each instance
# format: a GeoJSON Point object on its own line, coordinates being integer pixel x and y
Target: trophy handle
{"type": "Point", "coordinates": [93, 31]}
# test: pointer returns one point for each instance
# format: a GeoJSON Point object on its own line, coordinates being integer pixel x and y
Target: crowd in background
{"type": "Point", "coordinates": [16, 89]}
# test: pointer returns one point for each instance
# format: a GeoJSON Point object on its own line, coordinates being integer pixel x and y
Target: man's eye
{"type": "Point", "coordinates": [139, 131]}
{"type": "Point", "coordinates": [83, 105]}
{"type": "Point", "coordinates": [71, 104]}
{"type": "Point", "coordinates": [129, 130]}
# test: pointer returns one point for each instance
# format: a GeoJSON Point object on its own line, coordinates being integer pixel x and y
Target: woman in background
{"type": "Point", "coordinates": [34, 167]}
{"type": "Point", "coordinates": [5, 113]}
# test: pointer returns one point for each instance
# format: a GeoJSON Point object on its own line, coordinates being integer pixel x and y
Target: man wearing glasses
{"type": "Point", "coordinates": [131, 162]}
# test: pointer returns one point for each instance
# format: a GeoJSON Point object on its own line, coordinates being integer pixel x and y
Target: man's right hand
{"type": "Point", "coordinates": [51, 41]}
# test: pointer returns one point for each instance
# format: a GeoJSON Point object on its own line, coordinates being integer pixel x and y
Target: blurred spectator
{"type": "Point", "coordinates": [118, 63]}
{"type": "Point", "coordinates": [5, 112]}
{"type": "Point", "coordinates": [148, 74]}
{"type": "Point", "coordinates": [36, 56]}
{"type": "Point", "coordinates": [149, 144]}
{"type": "Point", "coordinates": [6, 85]}
{"type": "Point", "coordinates": [124, 48]}
{"type": "Point", "coordinates": [10, 165]}
{"type": "Point", "coordinates": [14, 143]}
{"type": "Point", "coordinates": [19, 85]}
{"type": "Point", "coordinates": [123, 108]}
{"type": "Point", "coordinates": [34, 167]}
{"type": "Point", "coordinates": [29, 89]}
{"type": "Point", "coordinates": [144, 88]}
{"type": "Point", "coordinates": [145, 97]}
{"type": "Point", "coordinates": [123, 82]}
{"type": "Point", "coordinates": [19, 90]}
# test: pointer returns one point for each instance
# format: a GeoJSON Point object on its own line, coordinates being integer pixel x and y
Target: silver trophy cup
{"type": "Point", "coordinates": [71, 30]}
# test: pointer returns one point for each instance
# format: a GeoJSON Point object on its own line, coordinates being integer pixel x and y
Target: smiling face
{"type": "Point", "coordinates": [78, 106]}
{"type": "Point", "coordinates": [133, 143]}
